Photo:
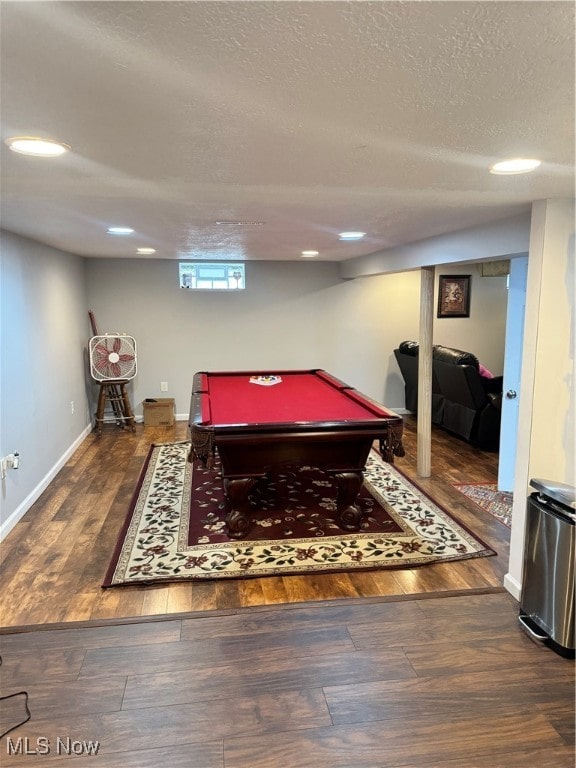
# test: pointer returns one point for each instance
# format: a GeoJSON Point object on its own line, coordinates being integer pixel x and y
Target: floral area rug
{"type": "Point", "coordinates": [486, 495]}
{"type": "Point", "coordinates": [175, 529]}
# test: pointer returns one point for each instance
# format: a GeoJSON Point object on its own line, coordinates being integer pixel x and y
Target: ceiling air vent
{"type": "Point", "coordinates": [494, 268]}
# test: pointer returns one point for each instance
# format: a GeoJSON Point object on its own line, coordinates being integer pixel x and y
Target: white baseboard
{"type": "Point", "coordinates": [22, 508]}
{"type": "Point", "coordinates": [512, 586]}
{"type": "Point", "coordinates": [178, 417]}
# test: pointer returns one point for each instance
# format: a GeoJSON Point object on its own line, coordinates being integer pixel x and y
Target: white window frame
{"type": "Point", "coordinates": [212, 276]}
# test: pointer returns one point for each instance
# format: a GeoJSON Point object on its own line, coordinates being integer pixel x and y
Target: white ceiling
{"type": "Point", "coordinates": [312, 117]}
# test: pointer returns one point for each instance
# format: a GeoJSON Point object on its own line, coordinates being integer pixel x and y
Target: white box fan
{"type": "Point", "coordinates": [112, 357]}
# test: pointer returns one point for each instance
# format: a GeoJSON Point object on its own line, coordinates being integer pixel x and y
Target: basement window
{"type": "Point", "coordinates": [201, 276]}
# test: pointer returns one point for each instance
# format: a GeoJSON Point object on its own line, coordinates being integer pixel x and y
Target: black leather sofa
{"type": "Point", "coordinates": [463, 402]}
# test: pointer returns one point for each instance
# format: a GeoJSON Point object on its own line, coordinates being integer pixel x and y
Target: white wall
{"type": "Point", "coordinates": [483, 333]}
{"type": "Point", "coordinates": [371, 317]}
{"type": "Point", "coordinates": [547, 410]}
{"type": "Point", "coordinates": [43, 333]}
{"type": "Point", "coordinates": [552, 452]}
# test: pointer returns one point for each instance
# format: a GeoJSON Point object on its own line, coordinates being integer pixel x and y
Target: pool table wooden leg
{"type": "Point", "coordinates": [349, 515]}
{"type": "Point", "coordinates": [238, 521]}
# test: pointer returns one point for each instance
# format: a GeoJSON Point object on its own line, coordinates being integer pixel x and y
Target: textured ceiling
{"type": "Point", "coordinates": [312, 117]}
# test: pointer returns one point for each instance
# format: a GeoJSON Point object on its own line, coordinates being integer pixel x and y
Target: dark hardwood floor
{"type": "Point", "coordinates": [431, 682]}
{"type": "Point", "coordinates": [423, 668]}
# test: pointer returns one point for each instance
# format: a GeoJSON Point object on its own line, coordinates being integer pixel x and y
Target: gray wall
{"type": "Point", "coordinates": [43, 337]}
{"type": "Point", "coordinates": [284, 318]}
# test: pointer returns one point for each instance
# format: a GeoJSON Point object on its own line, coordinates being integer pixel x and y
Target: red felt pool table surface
{"type": "Point", "coordinates": [301, 396]}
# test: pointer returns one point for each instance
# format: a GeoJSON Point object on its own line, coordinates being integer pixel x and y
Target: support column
{"type": "Point", "coordinates": [424, 434]}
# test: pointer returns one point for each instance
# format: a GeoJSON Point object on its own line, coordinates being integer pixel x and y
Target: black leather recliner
{"type": "Point", "coordinates": [472, 403]}
{"type": "Point", "coordinates": [463, 402]}
{"type": "Point", "coordinates": [407, 359]}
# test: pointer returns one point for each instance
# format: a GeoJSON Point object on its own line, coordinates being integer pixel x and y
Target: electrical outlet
{"type": "Point", "coordinates": [71, 406]}
{"type": "Point", "coordinates": [163, 386]}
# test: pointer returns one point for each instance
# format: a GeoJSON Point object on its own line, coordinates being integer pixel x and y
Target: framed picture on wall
{"type": "Point", "coordinates": [454, 296]}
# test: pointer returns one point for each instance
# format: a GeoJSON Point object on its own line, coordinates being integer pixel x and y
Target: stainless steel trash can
{"type": "Point", "coordinates": [547, 598]}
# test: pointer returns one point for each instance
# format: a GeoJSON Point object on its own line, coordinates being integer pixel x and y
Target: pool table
{"type": "Point", "coordinates": [307, 417]}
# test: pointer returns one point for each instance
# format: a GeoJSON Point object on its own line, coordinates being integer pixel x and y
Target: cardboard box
{"type": "Point", "coordinates": [159, 412]}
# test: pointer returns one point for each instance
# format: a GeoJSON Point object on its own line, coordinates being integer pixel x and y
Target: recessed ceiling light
{"type": "Point", "coordinates": [120, 231]}
{"type": "Point", "coordinates": [309, 254]}
{"type": "Point", "coordinates": [146, 251]}
{"type": "Point", "coordinates": [31, 145]}
{"type": "Point", "coordinates": [516, 165]}
{"type": "Point", "coordinates": [351, 235]}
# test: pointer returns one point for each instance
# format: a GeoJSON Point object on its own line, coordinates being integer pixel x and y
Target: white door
{"type": "Point", "coordinates": [512, 371]}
